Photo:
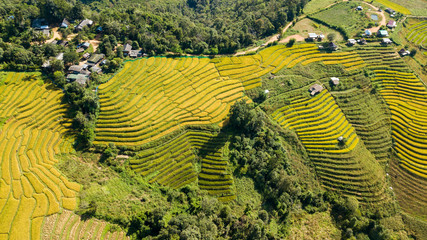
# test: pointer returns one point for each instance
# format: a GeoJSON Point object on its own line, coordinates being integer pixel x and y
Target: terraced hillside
{"type": "Point", "coordinates": [407, 99]}
{"type": "Point", "coordinates": [153, 104]}
{"type": "Point", "coordinates": [34, 130]}
{"type": "Point", "coordinates": [67, 225]}
{"type": "Point", "coordinates": [275, 58]}
{"type": "Point", "coordinates": [151, 98]}
{"type": "Point", "coordinates": [215, 175]}
{"type": "Point", "coordinates": [171, 162]}
{"type": "Point", "coordinates": [370, 116]}
{"type": "Point", "coordinates": [417, 33]}
{"type": "Point", "coordinates": [158, 106]}
{"type": "Point", "coordinates": [344, 165]}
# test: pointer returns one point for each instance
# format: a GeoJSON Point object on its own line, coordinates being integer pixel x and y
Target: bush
{"type": "Point", "coordinates": [291, 42]}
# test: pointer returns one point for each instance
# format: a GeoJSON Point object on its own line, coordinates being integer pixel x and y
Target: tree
{"type": "Point", "coordinates": [291, 42]}
{"type": "Point", "coordinates": [77, 11]}
{"type": "Point", "coordinates": [59, 78]}
{"type": "Point", "coordinates": [50, 50]}
{"type": "Point", "coordinates": [119, 52]}
{"type": "Point", "coordinates": [413, 52]}
{"type": "Point", "coordinates": [135, 45]}
{"type": "Point", "coordinates": [71, 57]}
{"type": "Point", "coordinates": [331, 37]}
{"type": "Point", "coordinates": [57, 65]}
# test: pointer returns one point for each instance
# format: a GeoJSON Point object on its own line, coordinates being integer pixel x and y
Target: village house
{"type": "Point", "coordinates": [389, 10]}
{"type": "Point", "coordinates": [60, 42]}
{"type": "Point", "coordinates": [314, 36]}
{"type": "Point", "coordinates": [386, 41]}
{"type": "Point", "coordinates": [75, 69]}
{"type": "Point", "coordinates": [47, 64]}
{"type": "Point", "coordinates": [40, 24]}
{"type": "Point", "coordinates": [359, 8]}
{"type": "Point", "coordinates": [95, 59]}
{"type": "Point", "coordinates": [368, 32]}
{"type": "Point", "coordinates": [79, 78]}
{"type": "Point", "coordinates": [82, 47]}
{"type": "Point", "coordinates": [83, 24]}
{"type": "Point", "coordinates": [391, 24]}
{"type": "Point", "coordinates": [332, 46]}
{"type": "Point", "coordinates": [316, 88]}
{"type": "Point", "coordinates": [95, 69]}
{"type": "Point", "coordinates": [126, 49]}
{"type": "Point", "coordinates": [351, 42]}
{"type": "Point", "coordinates": [135, 53]}
{"type": "Point", "coordinates": [403, 52]}
{"type": "Point", "coordinates": [65, 23]}
{"type": "Point", "coordinates": [335, 81]}
{"type": "Point", "coordinates": [86, 56]}
{"type": "Point", "coordinates": [383, 33]}
{"type": "Point", "coordinates": [44, 32]}
{"type": "Point", "coordinates": [362, 41]}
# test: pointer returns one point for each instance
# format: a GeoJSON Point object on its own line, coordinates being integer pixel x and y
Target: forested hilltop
{"type": "Point", "coordinates": [181, 26]}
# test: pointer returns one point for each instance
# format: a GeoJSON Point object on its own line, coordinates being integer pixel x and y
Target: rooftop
{"type": "Point", "coordinates": [95, 58]}
{"type": "Point", "coordinates": [312, 35]}
{"type": "Point", "coordinates": [316, 88]}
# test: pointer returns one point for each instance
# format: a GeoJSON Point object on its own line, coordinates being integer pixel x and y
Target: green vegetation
{"type": "Point", "coordinates": [317, 5]}
{"type": "Point", "coordinates": [417, 34]}
{"type": "Point", "coordinates": [345, 18]}
{"type": "Point", "coordinates": [178, 146]}
{"type": "Point", "coordinates": [192, 26]}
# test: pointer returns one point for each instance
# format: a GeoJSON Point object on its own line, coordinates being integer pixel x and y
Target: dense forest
{"type": "Point", "coordinates": [199, 27]}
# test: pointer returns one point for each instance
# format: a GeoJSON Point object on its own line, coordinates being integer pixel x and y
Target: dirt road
{"type": "Point", "coordinates": [297, 37]}
{"type": "Point", "coordinates": [272, 39]}
{"type": "Point", "coordinates": [383, 19]}
{"type": "Point", "coordinates": [55, 35]}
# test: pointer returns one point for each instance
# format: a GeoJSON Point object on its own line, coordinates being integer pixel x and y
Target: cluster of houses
{"type": "Point", "coordinates": [133, 53]}
{"type": "Point", "coordinates": [81, 73]}
{"type": "Point", "coordinates": [351, 42]}
{"type": "Point", "coordinates": [90, 63]}
{"type": "Point", "coordinates": [42, 26]}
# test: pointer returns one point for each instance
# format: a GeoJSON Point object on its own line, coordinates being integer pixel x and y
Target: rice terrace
{"type": "Point", "coordinates": [213, 120]}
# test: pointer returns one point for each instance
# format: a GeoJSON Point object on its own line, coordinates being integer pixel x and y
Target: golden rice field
{"type": "Point", "coordinates": [35, 130]}
{"type": "Point", "coordinates": [406, 97]}
{"type": "Point", "coordinates": [151, 98]}
{"type": "Point", "coordinates": [349, 168]}
{"type": "Point", "coordinates": [396, 7]}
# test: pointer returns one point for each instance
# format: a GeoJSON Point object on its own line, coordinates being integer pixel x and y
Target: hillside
{"type": "Point", "coordinates": [192, 119]}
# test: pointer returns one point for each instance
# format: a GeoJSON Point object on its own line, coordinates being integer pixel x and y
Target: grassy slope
{"type": "Point", "coordinates": [316, 5]}
{"type": "Point", "coordinates": [307, 25]}
{"type": "Point", "coordinates": [346, 16]}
